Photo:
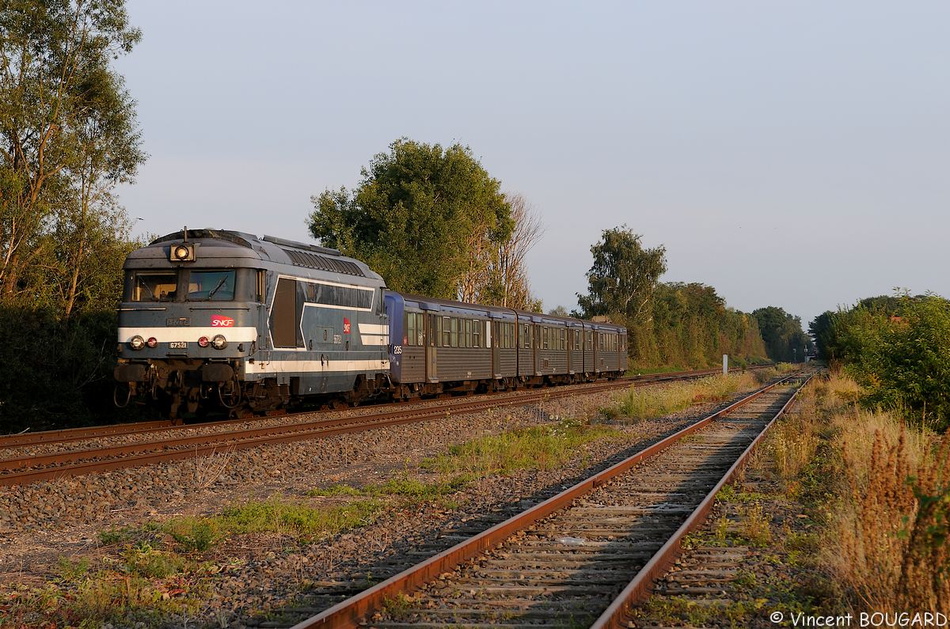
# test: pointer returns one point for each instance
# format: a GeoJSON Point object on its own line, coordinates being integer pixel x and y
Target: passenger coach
{"type": "Point", "coordinates": [440, 345]}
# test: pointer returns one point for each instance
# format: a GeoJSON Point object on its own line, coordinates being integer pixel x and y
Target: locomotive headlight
{"type": "Point", "coordinates": [219, 342]}
{"type": "Point", "coordinates": [136, 342]}
{"type": "Point", "coordinates": [182, 253]}
{"type": "Point", "coordinates": [203, 341]}
{"type": "Point", "coordinates": [152, 342]}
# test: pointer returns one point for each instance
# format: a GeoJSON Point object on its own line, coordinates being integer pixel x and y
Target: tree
{"type": "Point", "coordinates": [418, 217]}
{"type": "Point", "coordinates": [784, 338]}
{"type": "Point", "coordinates": [623, 276]}
{"type": "Point", "coordinates": [67, 136]}
{"type": "Point", "coordinates": [497, 272]}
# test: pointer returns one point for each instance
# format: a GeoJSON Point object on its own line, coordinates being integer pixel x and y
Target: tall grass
{"type": "Point", "coordinates": [648, 402]}
{"type": "Point", "coordinates": [795, 440]}
{"type": "Point", "coordinates": [889, 535]}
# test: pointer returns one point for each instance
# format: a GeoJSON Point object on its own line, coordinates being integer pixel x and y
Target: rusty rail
{"type": "Point", "coordinates": [29, 469]}
{"type": "Point", "coordinates": [639, 588]}
{"type": "Point", "coordinates": [349, 613]}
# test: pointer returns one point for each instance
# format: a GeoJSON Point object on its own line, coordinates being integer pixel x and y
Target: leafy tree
{"type": "Point", "coordinates": [782, 332]}
{"type": "Point", "coordinates": [693, 327]}
{"type": "Point", "coordinates": [623, 277]}
{"type": "Point", "coordinates": [67, 136]}
{"type": "Point", "coordinates": [422, 217]}
{"type": "Point", "coordinates": [899, 349]}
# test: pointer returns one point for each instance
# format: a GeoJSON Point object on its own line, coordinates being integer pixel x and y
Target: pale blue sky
{"type": "Point", "coordinates": [792, 154]}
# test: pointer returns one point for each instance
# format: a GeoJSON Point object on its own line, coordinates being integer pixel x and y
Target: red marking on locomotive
{"type": "Point", "coordinates": [220, 321]}
{"type": "Point", "coordinates": [346, 326]}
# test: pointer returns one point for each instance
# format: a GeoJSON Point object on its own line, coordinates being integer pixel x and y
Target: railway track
{"type": "Point", "coordinates": [22, 469]}
{"type": "Point", "coordinates": [569, 561]}
{"type": "Point", "coordinates": [67, 435]}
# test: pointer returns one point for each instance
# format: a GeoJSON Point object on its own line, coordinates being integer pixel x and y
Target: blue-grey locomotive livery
{"type": "Point", "coordinates": [223, 319]}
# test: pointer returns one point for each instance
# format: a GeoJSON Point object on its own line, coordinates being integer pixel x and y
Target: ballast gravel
{"type": "Point", "coordinates": [256, 576]}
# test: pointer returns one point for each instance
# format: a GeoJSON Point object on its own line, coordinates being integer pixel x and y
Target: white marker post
{"type": "Point", "coordinates": [725, 364]}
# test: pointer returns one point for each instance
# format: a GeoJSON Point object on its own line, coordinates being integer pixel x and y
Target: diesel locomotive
{"type": "Point", "coordinates": [224, 319]}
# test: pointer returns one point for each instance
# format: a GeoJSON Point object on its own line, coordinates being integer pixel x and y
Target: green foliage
{"type": "Point", "coordinates": [692, 328]}
{"type": "Point", "coordinates": [195, 534]}
{"type": "Point", "coordinates": [417, 217]}
{"type": "Point", "coordinates": [54, 370]}
{"type": "Point", "coordinates": [539, 447]}
{"type": "Point", "coordinates": [623, 276]}
{"type": "Point", "coordinates": [785, 341]}
{"type": "Point", "coordinates": [294, 519]}
{"type": "Point", "coordinates": [677, 325]}
{"type": "Point", "coordinates": [899, 350]}
{"type": "Point", "coordinates": [69, 135]}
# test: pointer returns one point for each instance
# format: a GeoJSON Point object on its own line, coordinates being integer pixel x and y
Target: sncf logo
{"type": "Point", "coordinates": [220, 321]}
{"type": "Point", "coordinates": [347, 328]}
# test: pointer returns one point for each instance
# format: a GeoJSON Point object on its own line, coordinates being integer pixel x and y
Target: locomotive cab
{"type": "Point", "coordinates": [188, 321]}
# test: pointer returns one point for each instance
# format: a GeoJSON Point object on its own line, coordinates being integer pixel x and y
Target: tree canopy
{"type": "Point", "coordinates": [419, 217]}
{"type": "Point", "coordinates": [623, 276]}
{"type": "Point", "coordinates": [785, 341]}
{"type": "Point", "coordinates": [68, 134]}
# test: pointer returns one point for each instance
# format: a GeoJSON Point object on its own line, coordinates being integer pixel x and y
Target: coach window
{"type": "Point", "coordinates": [420, 330]}
{"type": "Point", "coordinates": [477, 333]}
{"type": "Point", "coordinates": [454, 339]}
{"type": "Point", "coordinates": [410, 338]}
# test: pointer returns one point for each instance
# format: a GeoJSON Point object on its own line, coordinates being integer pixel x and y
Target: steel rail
{"type": "Point", "coordinates": [49, 437]}
{"type": "Point", "coordinates": [351, 612]}
{"type": "Point", "coordinates": [639, 588]}
{"type": "Point", "coordinates": [91, 460]}
{"type": "Point", "coordinates": [75, 434]}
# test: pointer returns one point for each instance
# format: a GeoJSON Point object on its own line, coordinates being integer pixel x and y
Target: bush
{"type": "Point", "coordinates": [55, 372]}
{"type": "Point", "coordinates": [901, 355]}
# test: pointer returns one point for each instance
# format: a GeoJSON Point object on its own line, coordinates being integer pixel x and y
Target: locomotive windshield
{"type": "Point", "coordinates": [210, 285]}
{"type": "Point", "coordinates": [155, 286]}
{"type": "Point", "coordinates": [202, 285]}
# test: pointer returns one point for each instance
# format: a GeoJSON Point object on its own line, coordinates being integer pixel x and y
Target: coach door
{"type": "Point", "coordinates": [432, 341]}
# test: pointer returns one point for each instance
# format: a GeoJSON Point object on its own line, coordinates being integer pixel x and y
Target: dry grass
{"type": "Point", "coordinates": [795, 440]}
{"type": "Point", "coordinates": [637, 404]}
{"type": "Point", "coordinates": [889, 535]}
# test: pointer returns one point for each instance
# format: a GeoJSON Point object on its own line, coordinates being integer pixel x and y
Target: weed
{"type": "Point", "coordinates": [755, 526]}
{"type": "Point", "coordinates": [642, 403]}
{"type": "Point", "coordinates": [539, 447]}
{"type": "Point", "coordinates": [143, 560]}
{"type": "Point", "coordinates": [195, 534]}
{"type": "Point", "coordinates": [294, 519]}
{"type": "Point", "coordinates": [397, 607]}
